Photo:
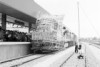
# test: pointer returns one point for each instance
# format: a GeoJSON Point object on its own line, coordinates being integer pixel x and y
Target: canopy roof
{"type": "Point", "coordinates": [25, 10]}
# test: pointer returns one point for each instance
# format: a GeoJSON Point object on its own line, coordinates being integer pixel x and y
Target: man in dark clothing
{"type": "Point", "coordinates": [76, 48]}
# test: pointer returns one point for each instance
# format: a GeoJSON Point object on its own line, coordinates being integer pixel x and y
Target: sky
{"type": "Point", "coordinates": [89, 14]}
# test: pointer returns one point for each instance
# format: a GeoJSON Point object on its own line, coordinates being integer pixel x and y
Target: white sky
{"type": "Point", "coordinates": [89, 14]}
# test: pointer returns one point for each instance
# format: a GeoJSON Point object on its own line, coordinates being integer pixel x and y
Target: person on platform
{"type": "Point", "coordinates": [81, 52]}
{"type": "Point", "coordinates": [76, 48]}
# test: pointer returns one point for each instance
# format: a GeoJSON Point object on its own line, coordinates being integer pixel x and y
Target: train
{"type": "Point", "coordinates": [51, 35]}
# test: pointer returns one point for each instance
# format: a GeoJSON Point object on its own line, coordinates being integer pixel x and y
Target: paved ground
{"type": "Point", "coordinates": [74, 62]}
{"type": "Point", "coordinates": [92, 56]}
{"type": "Point", "coordinates": [89, 59]}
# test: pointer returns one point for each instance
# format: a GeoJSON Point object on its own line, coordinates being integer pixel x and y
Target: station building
{"type": "Point", "coordinates": [17, 15]}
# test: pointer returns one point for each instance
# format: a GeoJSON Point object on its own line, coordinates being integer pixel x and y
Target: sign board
{"type": "Point", "coordinates": [19, 22]}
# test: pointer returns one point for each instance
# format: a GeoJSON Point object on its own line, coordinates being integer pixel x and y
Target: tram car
{"type": "Point", "coordinates": [50, 35]}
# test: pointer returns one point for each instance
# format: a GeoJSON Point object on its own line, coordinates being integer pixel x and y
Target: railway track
{"type": "Point", "coordinates": [19, 61]}
{"type": "Point", "coordinates": [16, 59]}
{"type": "Point", "coordinates": [17, 65]}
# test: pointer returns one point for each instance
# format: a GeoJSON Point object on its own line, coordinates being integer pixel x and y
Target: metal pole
{"type": "Point", "coordinates": [78, 22]}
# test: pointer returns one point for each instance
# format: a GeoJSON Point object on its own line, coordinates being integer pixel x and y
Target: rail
{"type": "Point", "coordinates": [66, 60]}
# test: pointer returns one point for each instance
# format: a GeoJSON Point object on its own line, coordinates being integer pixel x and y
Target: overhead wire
{"type": "Point", "coordinates": [89, 21]}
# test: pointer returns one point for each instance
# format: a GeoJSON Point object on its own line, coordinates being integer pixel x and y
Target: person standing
{"type": "Point", "coordinates": [76, 48]}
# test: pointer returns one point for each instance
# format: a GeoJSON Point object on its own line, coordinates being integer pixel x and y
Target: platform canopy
{"type": "Point", "coordinates": [25, 10]}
